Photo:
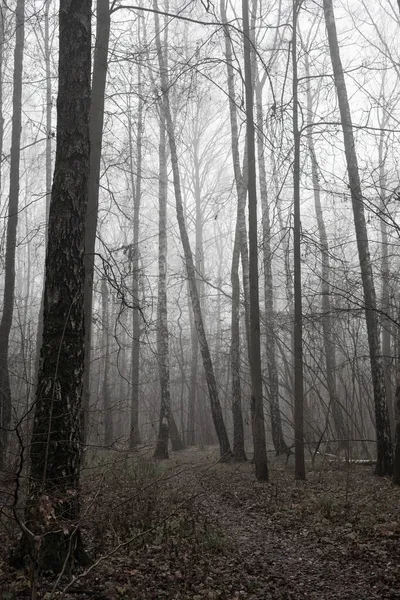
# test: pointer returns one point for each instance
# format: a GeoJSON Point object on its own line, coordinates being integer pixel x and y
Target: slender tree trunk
{"type": "Point", "coordinates": [190, 267]}
{"type": "Point", "coordinates": [260, 451]}
{"type": "Point", "coordinates": [137, 194]}
{"type": "Point", "coordinates": [239, 249]}
{"type": "Point", "coordinates": [300, 471]}
{"type": "Point", "coordinates": [385, 302]}
{"type": "Point", "coordinates": [327, 327]}
{"type": "Point", "coordinates": [384, 463]}
{"type": "Point", "coordinates": [107, 409]}
{"type": "Point", "coordinates": [100, 64]}
{"type": "Point", "coordinates": [166, 417]}
{"type": "Point", "coordinates": [273, 379]}
{"type": "Point", "coordinates": [238, 428]}
{"type": "Point", "coordinates": [192, 400]}
{"type": "Point", "coordinates": [49, 170]}
{"type": "Point", "coordinates": [11, 235]}
{"type": "Point", "coordinates": [52, 509]}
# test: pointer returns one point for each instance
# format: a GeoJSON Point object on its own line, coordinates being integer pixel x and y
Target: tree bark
{"type": "Point", "coordinates": [190, 267]}
{"type": "Point", "coordinates": [300, 471]}
{"type": "Point", "coordinates": [100, 63]}
{"type": "Point", "coordinates": [260, 451]}
{"type": "Point", "coordinates": [161, 450]}
{"type": "Point", "coordinates": [52, 509]}
{"type": "Point", "coordinates": [11, 235]}
{"type": "Point", "coordinates": [384, 463]}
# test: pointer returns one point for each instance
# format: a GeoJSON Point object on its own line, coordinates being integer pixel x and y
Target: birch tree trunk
{"type": "Point", "coordinates": [166, 417]}
{"type": "Point", "coordinates": [216, 409]}
{"type": "Point", "coordinates": [327, 327]}
{"type": "Point", "coordinates": [100, 63]}
{"type": "Point", "coordinates": [260, 451]}
{"type": "Point", "coordinates": [52, 508]}
{"type": "Point", "coordinates": [384, 463]}
{"type": "Point", "coordinates": [11, 235]}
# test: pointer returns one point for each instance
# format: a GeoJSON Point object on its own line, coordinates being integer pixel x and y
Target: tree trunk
{"type": "Point", "coordinates": [327, 327]}
{"type": "Point", "coordinates": [385, 301]}
{"type": "Point", "coordinates": [49, 171]}
{"type": "Point", "coordinates": [161, 450]}
{"type": "Point", "coordinates": [100, 63]}
{"type": "Point", "coordinates": [11, 234]}
{"type": "Point", "coordinates": [107, 409]}
{"type": "Point", "coordinates": [191, 271]}
{"type": "Point", "coordinates": [260, 451]}
{"type": "Point", "coordinates": [239, 249]}
{"type": "Point", "coordinates": [273, 379]}
{"type": "Point", "coordinates": [300, 471]}
{"type": "Point", "coordinates": [384, 463]}
{"type": "Point", "coordinates": [137, 195]}
{"type": "Point", "coordinates": [52, 509]}
{"type": "Point", "coordinates": [192, 400]}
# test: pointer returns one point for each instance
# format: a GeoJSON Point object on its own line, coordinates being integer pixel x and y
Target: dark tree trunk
{"type": "Point", "coordinates": [107, 408]}
{"type": "Point", "coordinates": [52, 509]}
{"type": "Point", "coordinates": [300, 471]}
{"type": "Point", "coordinates": [134, 438]}
{"type": "Point", "coordinates": [384, 464]}
{"type": "Point", "coordinates": [49, 171]}
{"type": "Point", "coordinates": [260, 451]}
{"type": "Point", "coordinates": [385, 302]}
{"type": "Point", "coordinates": [216, 409]}
{"type": "Point", "coordinates": [239, 248]}
{"type": "Point", "coordinates": [192, 400]}
{"type": "Point", "coordinates": [11, 234]}
{"type": "Point", "coordinates": [100, 63]}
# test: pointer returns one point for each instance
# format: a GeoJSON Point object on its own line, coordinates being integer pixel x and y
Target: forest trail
{"type": "Point", "coordinates": [303, 540]}
{"type": "Point", "coordinates": [191, 528]}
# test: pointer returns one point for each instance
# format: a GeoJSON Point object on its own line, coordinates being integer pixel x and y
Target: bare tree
{"type": "Point", "coordinates": [327, 325]}
{"type": "Point", "coordinates": [100, 63]}
{"type": "Point", "coordinates": [12, 223]}
{"type": "Point", "coordinates": [216, 409]}
{"type": "Point", "coordinates": [272, 367]}
{"type": "Point", "coordinates": [300, 471]}
{"type": "Point", "coordinates": [52, 508]}
{"type": "Point", "coordinates": [166, 416]}
{"type": "Point", "coordinates": [136, 188]}
{"type": "Point", "coordinates": [260, 451]}
{"type": "Point", "coordinates": [384, 447]}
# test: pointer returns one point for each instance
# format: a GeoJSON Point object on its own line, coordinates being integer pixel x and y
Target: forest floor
{"type": "Point", "coordinates": [191, 528]}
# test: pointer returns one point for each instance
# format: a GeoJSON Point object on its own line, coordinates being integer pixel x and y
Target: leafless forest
{"type": "Point", "coordinates": [200, 316]}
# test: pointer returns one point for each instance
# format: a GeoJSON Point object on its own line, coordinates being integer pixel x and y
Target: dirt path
{"type": "Point", "coordinates": [211, 532]}
{"type": "Point", "coordinates": [284, 557]}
